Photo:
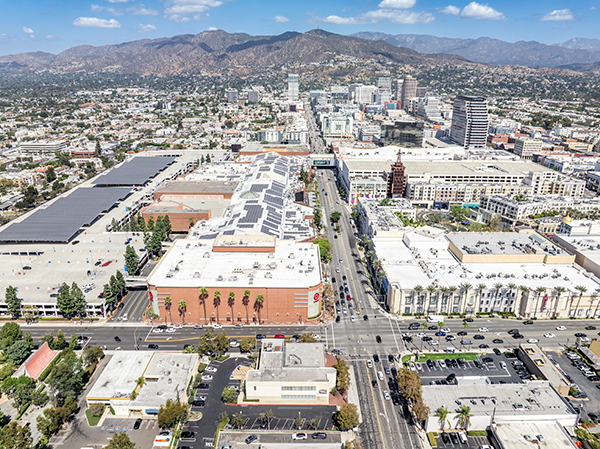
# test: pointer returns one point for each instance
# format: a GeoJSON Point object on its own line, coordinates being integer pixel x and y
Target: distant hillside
{"type": "Point", "coordinates": [495, 51]}
{"type": "Point", "coordinates": [213, 50]}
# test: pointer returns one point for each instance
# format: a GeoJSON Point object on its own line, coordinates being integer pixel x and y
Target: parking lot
{"type": "Point", "coordinates": [592, 403]}
{"type": "Point", "coordinates": [450, 443]}
{"type": "Point", "coordinates": [236, 438]}
{"type": "Point", "coordinates": [491, 369]}
{"type": "Point", "coordinates": [284, 416]}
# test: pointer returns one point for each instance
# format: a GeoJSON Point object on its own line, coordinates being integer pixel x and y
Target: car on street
{"type": "Point", "coordinates": [171, 330]}
{"type": "Point", "coordinates": [279, 336]}
{"type": "Point", "coordinates": [528, 322]}
{"type": "Point", "coordinates": [152, 346]}
{"type": "Point", "coordinates": [157, 331]}
{"type": "Point", "coordinates": [369, 364]}
{"type": "Point", "coordinates": [234, 343]}
{"type": "Point", "coordinates": [497, 351]}
{"type": "Point", "coordinates": [440, 334]}
{"type": "Point", "coordinates": [532, 340]}
{"type": "Point", "coordinates": [299, 436]}
{"type": "Point", "coordinates": [374, 383]}
{"type": "Point", "coordinates": [319, 436]}
{"type": "Point", "coordinates": [517, 336]}
{"type": "Point", "coordinates": [478, 337]}
{"type": "Point", "coordinates": [580, 335]}
{"type": "Point", "coordinates": [497, 341]}
{"type": "Point", "coordinates": [251, 438]}
{"type": "Point", "coordinates": [513, 331]}
{"type": "Point", "coordinates": [461, 333]}
{"type": "Point", "coordinates": [188, 435]}
{"type": "Point", "coordinates": [378, 339]}
{"type": "Point", "coordinates": [484, 346]}
{"type": "Point", "coordinates": [590, 328]}
{"type": "Point", "coordinates": [483, 329]}
{"type": "Point", "coordinates": [352, 318]}
{"type": "Point", "coordinates": [117, 339]}
{"type": "Point", "coordinates": [375, 358]}
{"type": "Point", "coordinates": [198, 326]}
{"type": "Point", "coordinates": [365, 318]}
{"type": "Point", "coordinates": [561, 328]}
{"type": "Point", "coordinates": [386, 395]}
{"type": "Point", "coordinates": [260, 336]}
{"type": "Point", "coordinates": [549, 335]}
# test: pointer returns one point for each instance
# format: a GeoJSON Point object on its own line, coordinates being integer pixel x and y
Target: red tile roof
{"type": "Point", "coordinates": [40, 360]}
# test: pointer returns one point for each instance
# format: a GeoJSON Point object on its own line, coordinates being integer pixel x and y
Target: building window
{"type": "Point", "coordinates": [407, 310]}
{"type": "Point", "coordinates": [298, 396]}
{"type": "Point", "coordinates": [298, 388]}
{"type": "Point", "coordinates": [255, 388]}
{"type": "Point", "coordinates": [408, 300]}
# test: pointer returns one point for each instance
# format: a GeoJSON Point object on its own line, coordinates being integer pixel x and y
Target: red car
{"type": "Point", "coordinates": [348, 297]}
{"type": "Point", "coordinates": [106, 264]}
{"type": "Point", "coordinates": [279, 336]}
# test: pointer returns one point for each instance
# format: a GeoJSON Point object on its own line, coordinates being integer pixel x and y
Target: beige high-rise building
{"type": "Point", "coordinates": [409, 90]}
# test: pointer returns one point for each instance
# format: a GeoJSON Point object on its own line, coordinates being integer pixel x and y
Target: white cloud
{"type": "Point", "coordinates": [94, 22]}
{"type": "Point", "coordinates": [593, 8]}
{"type": "Point", "coordinates": [559, 15]}
{"type": "Point", "coordinates": [390, 15]}
{"type": "Point", "coordinates": [179, 9]}
{"type": "Point", "coordinates": [397, 4]}
{"type": "Point", "coordinates": [28, 31]}
{"type": "Point", "coordinates": [141, 10]}
{"type": "Point", "coordinates": [281, 19]}
{"type": "Point", "coordinates": [146, 28]}
{"type": "Point", "coordinates": [117, 1]}
{"type": "Point", "coordinates": [452, 10]}
{"type": "Point", "coordinates": [478, 11]}
{"type": "Point", "coordinates": [50, 37]}
{"type": "Point", "coordinates": [211, 29]}
{"type": "Point", "coordinates": [109, 9]}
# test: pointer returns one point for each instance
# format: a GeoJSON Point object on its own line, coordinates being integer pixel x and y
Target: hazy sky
{"type": "Point", "coordinates": [53, 26]}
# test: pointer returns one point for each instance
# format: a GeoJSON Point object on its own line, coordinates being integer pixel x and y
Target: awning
{"type": "Point", "coordinates": [152, 411]}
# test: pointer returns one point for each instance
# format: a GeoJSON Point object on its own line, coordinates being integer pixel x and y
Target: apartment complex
{"type": "Point", "coordinates": [469, 122]}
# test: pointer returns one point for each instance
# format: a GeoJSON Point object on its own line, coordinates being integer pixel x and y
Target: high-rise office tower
{"type": "Point", "coordinates": [293, 82]}
{"type": "Point", "coordinates": [398, 89]}
{"type": "Point", "coordinates": [253, 96]}
{"type": "Point", "coordinates": [384, 82]}
{"type": "Point", "coordinates": [409, 90]}
{"type": "Point", "coordinates": [469, 122]}
{"type": "Point", "coordinates": [232, 95]}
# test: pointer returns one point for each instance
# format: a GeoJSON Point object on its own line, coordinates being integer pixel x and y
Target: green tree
{"type": "Point", "coordinates": [172, 413]}
{"type": "Point", "coordinates": [267, 417]}
{"type": "Point", "coordinates": [442, 415]}
{"type": "Point", "coordinates": [324, 249]}
{"type": "Point", "coordinates": [78, 302]}
{"type": "Point", "coordinates": [231, 303]}
{"type": "Point", "coordinates": [17, 352]}
{"type": "Point", "coordinates": [409, 384]}
{"type": "Point", "coordinates": [109, 298]}
{"type": "Point", "coordinates": [12, 301]}
{"type": "Point", "coordinates": [237, 420]}
{"type": "Point", "coordinates": [150, 224]}
{"type": "Point", "coordinates": [221, 342]}
{"type": "Point", "coordinates": [245, 303]}
{"type": "Point", "coordinates": [63, 300]}
{"type": "Point", "coordinates": [229, 395]}
{"type": "Point", "coordinates": [202, 296]}
{"type": "Point", "coordinates": [342, 375]}
{"type": "Point", "coordinates": [168, 305]}
{"type": "Point", "coordinates": [60, 342]}
{"type": "Point", "coordinates": [247, 344]}
{"type": "Point", "coordinates": [65, 380]}
{"type": "Point", "coordinates": [346, 417]}
{"type": "Point", "coordinates": [14, 436]}
{"type": "Point", "coordinates": [318, 217]}
{"type": "Point", "coordinates": [217, 302]}
{"type": "Point", "coordinates": [121, 441]}
{"type": "Point", "coordinates": [464, 416]}
{"type": "Point", "coordinates": [132, 261]}
{"type": "Point", "coordinates": [258, 306]}
{"type": "Point", "coordinates": [182, 308]}
{"type": "Point", "coordinates": [10, 333]}
{"type": "Point", "coordinates": [352, 444]}
{"type": "Point", "coordinates": [335, 216]}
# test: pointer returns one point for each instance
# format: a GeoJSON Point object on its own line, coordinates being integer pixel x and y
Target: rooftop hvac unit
{"type": "Point", "coordinates": [220, 277]}
{"type": "Point", "coordinates": [268, 275]}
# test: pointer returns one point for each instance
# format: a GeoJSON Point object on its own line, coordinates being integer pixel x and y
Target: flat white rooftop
{"type": "Point", "coordinates": [193, 263]}
{"type": "Point", "coordinates": [525, 435]}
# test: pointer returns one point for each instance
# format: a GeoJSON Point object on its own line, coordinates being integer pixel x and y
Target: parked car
{"type": "Point", "coordinates": [319, 436]}
{"type": "Point", "coordinates": [251, 438]}
{"type": "Point", "coordinates": [137, 424]}
{"type": "Point", "coordinates": [299, 436]}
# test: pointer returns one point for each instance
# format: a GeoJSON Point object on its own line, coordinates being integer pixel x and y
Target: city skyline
{"type": "Point", "coordinates": [55, 27]}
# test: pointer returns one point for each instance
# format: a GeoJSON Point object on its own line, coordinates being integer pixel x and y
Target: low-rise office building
{"type": "Point", "coordinates": [506, 404]}
{"type": "Point", "coordinates": [380, 219]}
{"type": "Point", "coordinates": [541, 366]}
{"type": "Point", "coordinates": [528, 434]}
{"type": "Point", "coordinates": [166, 377]}
{"type": "Point", "coordinates": [291, 373]}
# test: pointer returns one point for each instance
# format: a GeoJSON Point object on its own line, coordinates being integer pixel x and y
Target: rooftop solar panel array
{"type": "Point", "coordinates": [135, 172]}
{"type": "Point", "coordinates": [61, 220]}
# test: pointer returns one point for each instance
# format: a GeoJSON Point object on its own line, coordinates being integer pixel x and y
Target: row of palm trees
{"type": "Point", "coordinates": [463, 417]}
{"type": "Point", "coordinates": [203, 296]}
{"type": "Point", "coordinates": [465, 288]}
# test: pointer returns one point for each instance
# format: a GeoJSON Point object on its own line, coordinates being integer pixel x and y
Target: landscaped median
{"type": "Point", "coordinates": [442, 356]}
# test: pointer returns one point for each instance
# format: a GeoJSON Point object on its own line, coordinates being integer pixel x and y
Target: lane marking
{"type": "Point", "coordinates": [376, 409]}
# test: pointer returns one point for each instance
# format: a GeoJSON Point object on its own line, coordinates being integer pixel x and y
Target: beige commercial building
{"type": "Point", "coordinates": [291, 373]}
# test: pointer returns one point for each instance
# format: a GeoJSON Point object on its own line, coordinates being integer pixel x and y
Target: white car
{"type": "Point", "coordinates": [561, 328]}
{"type": "Point", "coordinates": [433, 343]}
{"type": "Point", "coordinates": [157, 331]}
{"type": "Point", "coordinates": [352, 318]}
{"type": "Point", "coordinates": [450, 338]}
{"type": "Point", "coordinates": [483, 329]}
{"type": "Point", "coordinates": [207, 377]}
{"type": "Point", "coordinates": [369, 364]}
{"type": "Point", "coordinates": [584, 339]}
{"type": "Point", "coordinates": [419, 366]}
{"type": "Point", "coordinates": [299, 436]}
{"type": "Point", "coordinates": [420, 335]}
{"type": "Point", "coordinates": [215, 326]}
{"type": "Point", "coordinates": [446, 329]}
{"type": "Point", "coordinates": [502, 364]}
{"type": "Point", "coordinates": [412, 366]}
{"type": "Point", "coordinates": [178, 326]}
{"type": "Point", "coordinates": [380, 375]}
{"type": "Point", "coordinates": [386, 395]}
{"type": "Point", "coordinates": [234, 344]}
{"type": "Point", "coordinates": [210, 369]}
{"type": "Point", "coordinates": [532, 340]}
{"type": "Point", "coordinates": [549, 335]}
{"type": "Point", "coordinates": [171, 330]}
{"type": "Point", "coordinates": [442, 364]}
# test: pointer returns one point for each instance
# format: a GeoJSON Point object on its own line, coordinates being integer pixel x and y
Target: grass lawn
{"type": "Point", "coordinates": [443, 356]}
{"type": "Point", "coordinates": [92, 420]}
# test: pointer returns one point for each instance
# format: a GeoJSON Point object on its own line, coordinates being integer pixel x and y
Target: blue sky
{"type": "Point", "coordinates": [55, 25]}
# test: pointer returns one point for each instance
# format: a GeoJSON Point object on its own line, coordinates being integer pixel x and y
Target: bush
{"type": "Point", "coordinates": [202, 367]}
{"type": "Point", "coordinates": [431, 438]}
{"type": "Point", "coordinates": [477, 433]}
{"type": "Point", "coordinates": [97, 409]}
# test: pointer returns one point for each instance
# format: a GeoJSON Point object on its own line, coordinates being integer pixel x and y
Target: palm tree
{"type": "Point", "coordinates": [418, 290]}
{"type": "Point", "coordinates": [582, 289]}
{"type": "Point", "coordinates": [370, 254]}
{"type": "Point", "coordinates": [452, 289]}
{"type": "Point", "coordinates": [464, 416]}
{"type": "Point", "coordinates": [444, 290]}
{"type": "Point", "coordinates": [168, 303]}
{"type": "Point", "coordinates": [182, 306]}
{"type": "Point", "coordinates": [524, 291]}
{"type": "Point", "coordinates": [231, 303]}
{"type": "Point", "coordinates": [245, 302]}
{"type": "Point", "coordinates": [217, 302]}
{"type": "Point", "coordinates": [596, 292]}
{"type": "Point", "coordinates": [512, 286]}
{"type": "Point", "coordinates": [431, 290]}
{"type": "Point", "coordinates": [442, 414]}
{"type": "Point", "coordinates": [540, 290]}
{"type": "Point", "coordinates": [203, 294]}
{"type": "Point", "coordinates": [480, 289]}
{"type": "Point", "coordinates": [559, 291]}
{"type": "Point", "coordinates": [497, 286]}
{"type": "Point", "coordinates": [465, 288]}
{"type": "Point", "coordinates": [258, 305]}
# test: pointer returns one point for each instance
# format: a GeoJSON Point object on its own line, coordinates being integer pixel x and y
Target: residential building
{"type": "Point", "coordinates": [293, 87]}
{"type": "Point", "coordinates": [429, 107]}
{"type": "Point", "coordinates": [469, 121]}
{"type": "Point", "coordinates": [291, 373]}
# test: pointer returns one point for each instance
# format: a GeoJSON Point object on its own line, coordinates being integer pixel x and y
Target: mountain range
{"type": "Point", "coordinates": [576, 54]}
{"type": "Point", "coordinates": [217, 50]}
